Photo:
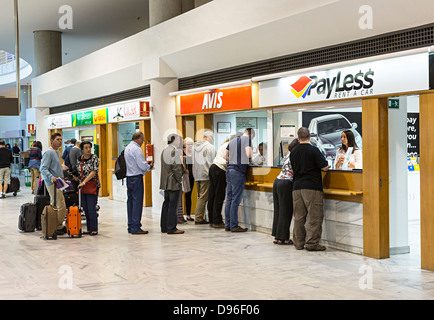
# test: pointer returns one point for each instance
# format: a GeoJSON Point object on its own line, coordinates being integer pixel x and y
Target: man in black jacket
{"type": "Point", "coordinates": [5, 168]}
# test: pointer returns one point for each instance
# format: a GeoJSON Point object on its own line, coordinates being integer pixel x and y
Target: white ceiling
{"type": "Point", "coordinates": [96, 24]}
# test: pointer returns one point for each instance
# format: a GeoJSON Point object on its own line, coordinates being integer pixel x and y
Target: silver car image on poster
{"type": "Point", "coordinates": [326, 131]}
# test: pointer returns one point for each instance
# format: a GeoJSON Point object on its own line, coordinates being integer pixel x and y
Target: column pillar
{"type": "Point", "coordinates": [162, 10]}
{"type": "Point", "coordinates": [198, 3]}
{"type": "Point", "coordinates": [163, 123]}
{"type": "Point", "coordinates": [48, 50]}
{"type": "Point", "coordinates": [426, 115]}
{"type": "Point", "coordinates": [376, 242]}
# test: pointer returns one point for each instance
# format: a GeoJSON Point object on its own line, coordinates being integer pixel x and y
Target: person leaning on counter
{"type": "Point", "coordinates": [356, 159]}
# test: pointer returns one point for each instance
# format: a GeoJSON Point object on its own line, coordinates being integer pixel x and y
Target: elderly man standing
{"type": "Point", "coordinates": [170, 181]}
{"type": "Point", "coordinates": [136, 169]}
{"type": "Point", "coordinates": [204, 154]}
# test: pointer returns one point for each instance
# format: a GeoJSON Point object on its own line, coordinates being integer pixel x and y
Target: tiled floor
{"type": "Point", "coordinates": [203, 263]}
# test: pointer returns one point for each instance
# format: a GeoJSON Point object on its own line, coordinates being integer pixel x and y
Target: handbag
{"type": "Point", "coordinates": [91, 186]}
{"type": "Point", "coordinates": [186, 183]}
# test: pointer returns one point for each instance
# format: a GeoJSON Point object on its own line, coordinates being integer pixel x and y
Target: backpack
{"type": "Point", "coordinates": [121, 167]}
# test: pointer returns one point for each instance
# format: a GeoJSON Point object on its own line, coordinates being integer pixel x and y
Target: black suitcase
{"type": "Point", "coordinates": [41, 201]}
{"type": "Point", "coordinates": [71, 198]}
{"type": "Point", "coordinates": [27, 218]}
{"type": "Point", "coordinates": [14, 187]}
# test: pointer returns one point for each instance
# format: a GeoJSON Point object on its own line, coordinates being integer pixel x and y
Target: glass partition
{"type": "Point", "coordinates": [327, 123]}
{"type": "Point", "coordinates": [125, 133]}
{"type": "Point", "coordinates": [227, 125]}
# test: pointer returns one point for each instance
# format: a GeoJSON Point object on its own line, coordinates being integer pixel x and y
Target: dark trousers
{"type": "Point", "coordinates": [88, 202]}
{"type": "Point", "coordinates": [135, 190]}
{"type": "Point", "coordinates": [283, 208]}
{"type": "Point", "coordinates": [168, 220]}
{"type": "Point", "coordinates": [216, 195]}
{"type": "Point", "coordinates": [188, 194]}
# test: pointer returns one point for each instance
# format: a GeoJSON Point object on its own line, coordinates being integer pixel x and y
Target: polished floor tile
{"type": "Point", "coordinates": [203, 263]}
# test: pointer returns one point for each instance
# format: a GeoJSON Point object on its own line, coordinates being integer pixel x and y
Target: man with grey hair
{"type": "Point", "coordinates": [203, 157]}
{"type": "Point", "coordinates": [307, 163]}
{"type": "Point", "coordinates": [136, 169]}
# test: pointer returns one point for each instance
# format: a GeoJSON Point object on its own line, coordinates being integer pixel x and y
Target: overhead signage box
{"type": "Point", "coordinates": [59, 122]}
{"type": "Point", "coordinates": [388, 76]}
{"type": "Point", "coordinates": [128, 111]}
{"type": "Point", "coordinates": [217, 100]}
{"type": "Point", "coordinates": [122, 112]}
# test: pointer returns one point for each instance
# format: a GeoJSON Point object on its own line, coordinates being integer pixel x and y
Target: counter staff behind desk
{"type": "Point", "coordinates": [356, 159]}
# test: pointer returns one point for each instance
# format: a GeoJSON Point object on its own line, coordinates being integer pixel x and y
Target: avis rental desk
{"type": "Point", "coordinates": [343, 206]}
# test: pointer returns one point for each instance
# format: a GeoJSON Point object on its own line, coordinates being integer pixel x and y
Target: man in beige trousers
{"type": "Point", "coordinates": [204, 154]}
{"type": "Point", "coordinates": [307, 163]}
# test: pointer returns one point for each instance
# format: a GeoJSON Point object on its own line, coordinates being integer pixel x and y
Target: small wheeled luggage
{"type": "Point", "coordinates": [41, 201]}
{"type": "Point", "coordinates": [27, 217]}
{"type": "Point", "coordinates": [14, 186]}
{"type": "Point", "coordinates": [49, 220]}
{"type": "Point", "coordinates": [73, 219]}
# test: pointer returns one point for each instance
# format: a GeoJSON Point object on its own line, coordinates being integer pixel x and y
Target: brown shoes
{"type": "Point", "coordinates": [177, 232]}
{"type": "Point", "coordinates": [317, 248]}
{"type": "Point", "coordinates": [239, 229]}
{"type": "Point", "coordinates": [141, 232]}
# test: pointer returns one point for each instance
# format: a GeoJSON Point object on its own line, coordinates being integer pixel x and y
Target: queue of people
{"type": "Point", "coordinates": [219, 175]}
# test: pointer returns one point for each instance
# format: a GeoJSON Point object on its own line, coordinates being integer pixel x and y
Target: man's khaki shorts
{"type": "Point", "coordinates": [5, 176]}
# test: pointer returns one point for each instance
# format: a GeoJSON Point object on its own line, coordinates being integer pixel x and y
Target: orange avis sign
{"type": "Point", "coordinates": [217, 100]}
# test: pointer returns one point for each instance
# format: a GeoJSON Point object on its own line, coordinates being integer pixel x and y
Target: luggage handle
{"type": "Point", "coordinates": [79, 200]}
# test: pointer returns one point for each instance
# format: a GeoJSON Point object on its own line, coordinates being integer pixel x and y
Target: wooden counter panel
{"type": "Point", "coordinates": [337, 185]}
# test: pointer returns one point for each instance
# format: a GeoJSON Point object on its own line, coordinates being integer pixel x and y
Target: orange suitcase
{"type": "Point", "coordinates": [73, 219]}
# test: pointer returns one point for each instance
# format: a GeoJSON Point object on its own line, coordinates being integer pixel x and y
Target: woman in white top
{"type": "Point", "coordinates": [348, 141]}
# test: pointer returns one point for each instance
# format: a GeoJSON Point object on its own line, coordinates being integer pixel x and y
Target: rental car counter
{"type": "Point", "coordinates": [343, 206]}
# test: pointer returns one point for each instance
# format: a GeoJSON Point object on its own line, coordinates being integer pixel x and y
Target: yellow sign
{"type": "Point", "coordinates": [100, 116]}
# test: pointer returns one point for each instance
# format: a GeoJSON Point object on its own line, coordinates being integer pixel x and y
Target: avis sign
{"type": "Point", "coordinates": [393, 75]}
{"type": "Point", "coordinates": [218, 100]}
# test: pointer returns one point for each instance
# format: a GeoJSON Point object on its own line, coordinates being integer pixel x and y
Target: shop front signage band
{"type": "Point", "coordinates": [217, 100]}
{"type": "Point", "coordinates": [394, 75]}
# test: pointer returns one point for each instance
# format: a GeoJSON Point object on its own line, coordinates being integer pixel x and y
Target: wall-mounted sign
{"type": "Point", "coordinates": [31, 128]}
{"type": "Point", "coordinates": [393, 75]}
{"type": "Point", "coordinates": [57, 122]}
{"type": "Point", "coordinates": [218, 100]}
{"type": "Point", "coordinates": [412, 134]}
{"type": "Point", "coordinates": [82, 119]}
{"type": "Point", "coordinates": [100, 116]}
{"type": "Point", "coordinates": [128, 111]}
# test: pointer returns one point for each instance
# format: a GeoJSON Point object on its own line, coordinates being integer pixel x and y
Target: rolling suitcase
{"type": "Point", "coordinates": [49, 220]}
{"type": "Point", "coordinates": [73, 219]}
{"type": "Point", "coordinates": [27, 217]}
{"type": "Point", "coordinates": [41, 201]}
{"type": "Point", "coordinates": [14, 186]}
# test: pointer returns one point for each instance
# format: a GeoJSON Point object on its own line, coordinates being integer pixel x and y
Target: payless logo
{"type": "Point", "coordinates": [301, 87]}
{"type": "Point", "coordinates": [351, 85]}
